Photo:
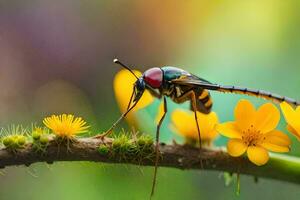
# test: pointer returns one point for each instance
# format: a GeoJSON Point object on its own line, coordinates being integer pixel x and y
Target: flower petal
{"type": "Point", "coordinates": [236, 147]}
{"type": "Point", "coordinates": [278, 137]}
{"type": "Point", "coordinates": [276, 141]}
{"type": "Point", "coordinates": [145, 100]}
{"type": "Point", "coordinates": [185, 125]}
{"type": "Point", "coordinates": [267, 118]}
{"type": "Point", "coordinates": [292, 118]}
{"type": "Point", "coordinates": [160, 112]}
{"type": "Point", "coordinates": [123, 87]}
{"type": "Point", "coordinates": [244, 113]}
{"type": "Point", "coordinates": [298, 110]}
{"type": "Point", "coordinates": [208, 123]}
{"type": "Point", "coordinates": [288, 112]}
{"type": "Point", "coordinates": [275, 148]}
{"type": "Point", "coordinates": [258, 155]}
{"type": "Point", "coordinates": [293, 131]}
{"type": "Point", "coordinates": [229, 129]}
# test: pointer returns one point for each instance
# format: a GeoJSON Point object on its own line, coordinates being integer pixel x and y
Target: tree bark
{"type": "Point", "coordinates": [283, 168]}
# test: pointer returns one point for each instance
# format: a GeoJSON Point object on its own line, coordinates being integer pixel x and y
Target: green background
{"type": "Point", "coordinates": [56, 56]}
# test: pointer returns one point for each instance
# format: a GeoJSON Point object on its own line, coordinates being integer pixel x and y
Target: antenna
{"type": "Point", "coordinates": [123, 65]}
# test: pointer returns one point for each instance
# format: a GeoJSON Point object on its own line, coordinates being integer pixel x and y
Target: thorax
{"type": "Point", "coordinates": [170, 89]}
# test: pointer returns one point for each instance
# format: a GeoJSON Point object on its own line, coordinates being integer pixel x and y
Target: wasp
{"type": "Point", "coordinates": [181, 86]}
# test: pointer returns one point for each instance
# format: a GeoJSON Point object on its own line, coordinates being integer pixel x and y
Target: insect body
{"type": "Point", "coordinates": [159, 81]}
{"type": "Point", "coordinates": [182, 86]}
{"type": "Point", "coordinates": [177, 84]}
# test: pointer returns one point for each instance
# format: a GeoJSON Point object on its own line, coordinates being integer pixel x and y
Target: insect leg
{"type": "Point", "coordinates": [122, 116]}
{"type": "Point", "coordinates": [194, 104]}
{"type": "Point", "coordinates": [131, 97]}
{"type": "Point", "coordinates": [157, 146]}
{"type": "Point", "coordinates": [192, 96]}
{"type": "Point", "coordinates": [184, 97]}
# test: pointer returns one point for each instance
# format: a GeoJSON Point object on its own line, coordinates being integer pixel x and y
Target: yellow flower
{"type": "Point", "coordinates": [292, 118]}
{"type": "Point", "coordinates": [123, 86]}
{"type": "Point", "coordinates": [184, 124]}
{"type": "Point", "coordinates": [254, 131]}
{"type": "Point", "coordinates": [160, 112]}
{"type": "Point", "coordinates": [65, 126]}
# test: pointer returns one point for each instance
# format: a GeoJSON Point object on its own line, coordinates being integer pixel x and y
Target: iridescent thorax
{"type": "Point", "coordinates": [171, 73]}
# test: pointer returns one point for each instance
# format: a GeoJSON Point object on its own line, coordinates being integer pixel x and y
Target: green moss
{"type": "Point", "coordinates": [145, 150]}
{"type": "Point", "coordinates": [144, 141]}
{"type": "Point", "coordinates": [103, 149]}
{"type": "Point", "coordinates": [122, 145]}
{"type": "Point", "coordinates": [126, 148]}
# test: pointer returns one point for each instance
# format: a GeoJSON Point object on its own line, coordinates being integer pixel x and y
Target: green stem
{"type": "Point", "coordinates": [281, 167]}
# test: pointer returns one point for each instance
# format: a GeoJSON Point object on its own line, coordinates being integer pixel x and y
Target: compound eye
{"type": "Point", "coordinates": [153, 77]}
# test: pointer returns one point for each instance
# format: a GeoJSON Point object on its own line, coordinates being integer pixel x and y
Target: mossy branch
{"type": "Point", "coordinates": [283, 168]}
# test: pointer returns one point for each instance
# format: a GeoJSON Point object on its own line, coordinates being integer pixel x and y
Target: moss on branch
{"type": "Point", "coordinates": [141, 152]}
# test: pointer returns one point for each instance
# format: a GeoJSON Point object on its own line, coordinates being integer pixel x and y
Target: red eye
{"type": "Point", "coordinates": [153, 77]}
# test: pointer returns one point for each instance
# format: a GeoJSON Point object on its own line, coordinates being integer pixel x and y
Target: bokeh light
{"type": "Point", "coordinates": [56, 56]}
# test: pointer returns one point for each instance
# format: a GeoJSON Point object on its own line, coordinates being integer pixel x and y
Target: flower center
{"type": "Point", "coordinates": [252, 137]}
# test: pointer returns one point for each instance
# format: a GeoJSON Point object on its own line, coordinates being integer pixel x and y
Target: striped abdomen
{"type": "Point", "coordinates": [204, 101]}
{"type": "Point", "coordinates": [180, 94]}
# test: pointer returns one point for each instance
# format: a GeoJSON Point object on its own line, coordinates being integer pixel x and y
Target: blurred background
{"type": "Point", "coordinates": [56, 57]}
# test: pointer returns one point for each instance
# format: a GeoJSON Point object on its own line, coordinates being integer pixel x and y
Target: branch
{"type": "Point", "coordinates": [284, 168]}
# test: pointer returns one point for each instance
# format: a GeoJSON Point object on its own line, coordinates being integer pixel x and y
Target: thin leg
{"type": "Point", "coordinates": [184, 97]}
{"type": "Point", "coordinates": [157, 146]}
{"type": "Point", "coordinates": [131, 97]}
{"type": "Point", "coordinates": [194, 104]}
{"type": "Point", "coordinates": [101, 136]}
{"type": "Point", "coordinates": [192, 96]}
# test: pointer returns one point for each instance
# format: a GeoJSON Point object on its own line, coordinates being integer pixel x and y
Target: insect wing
{"type": "Point", "coordinates": [196, 82]}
